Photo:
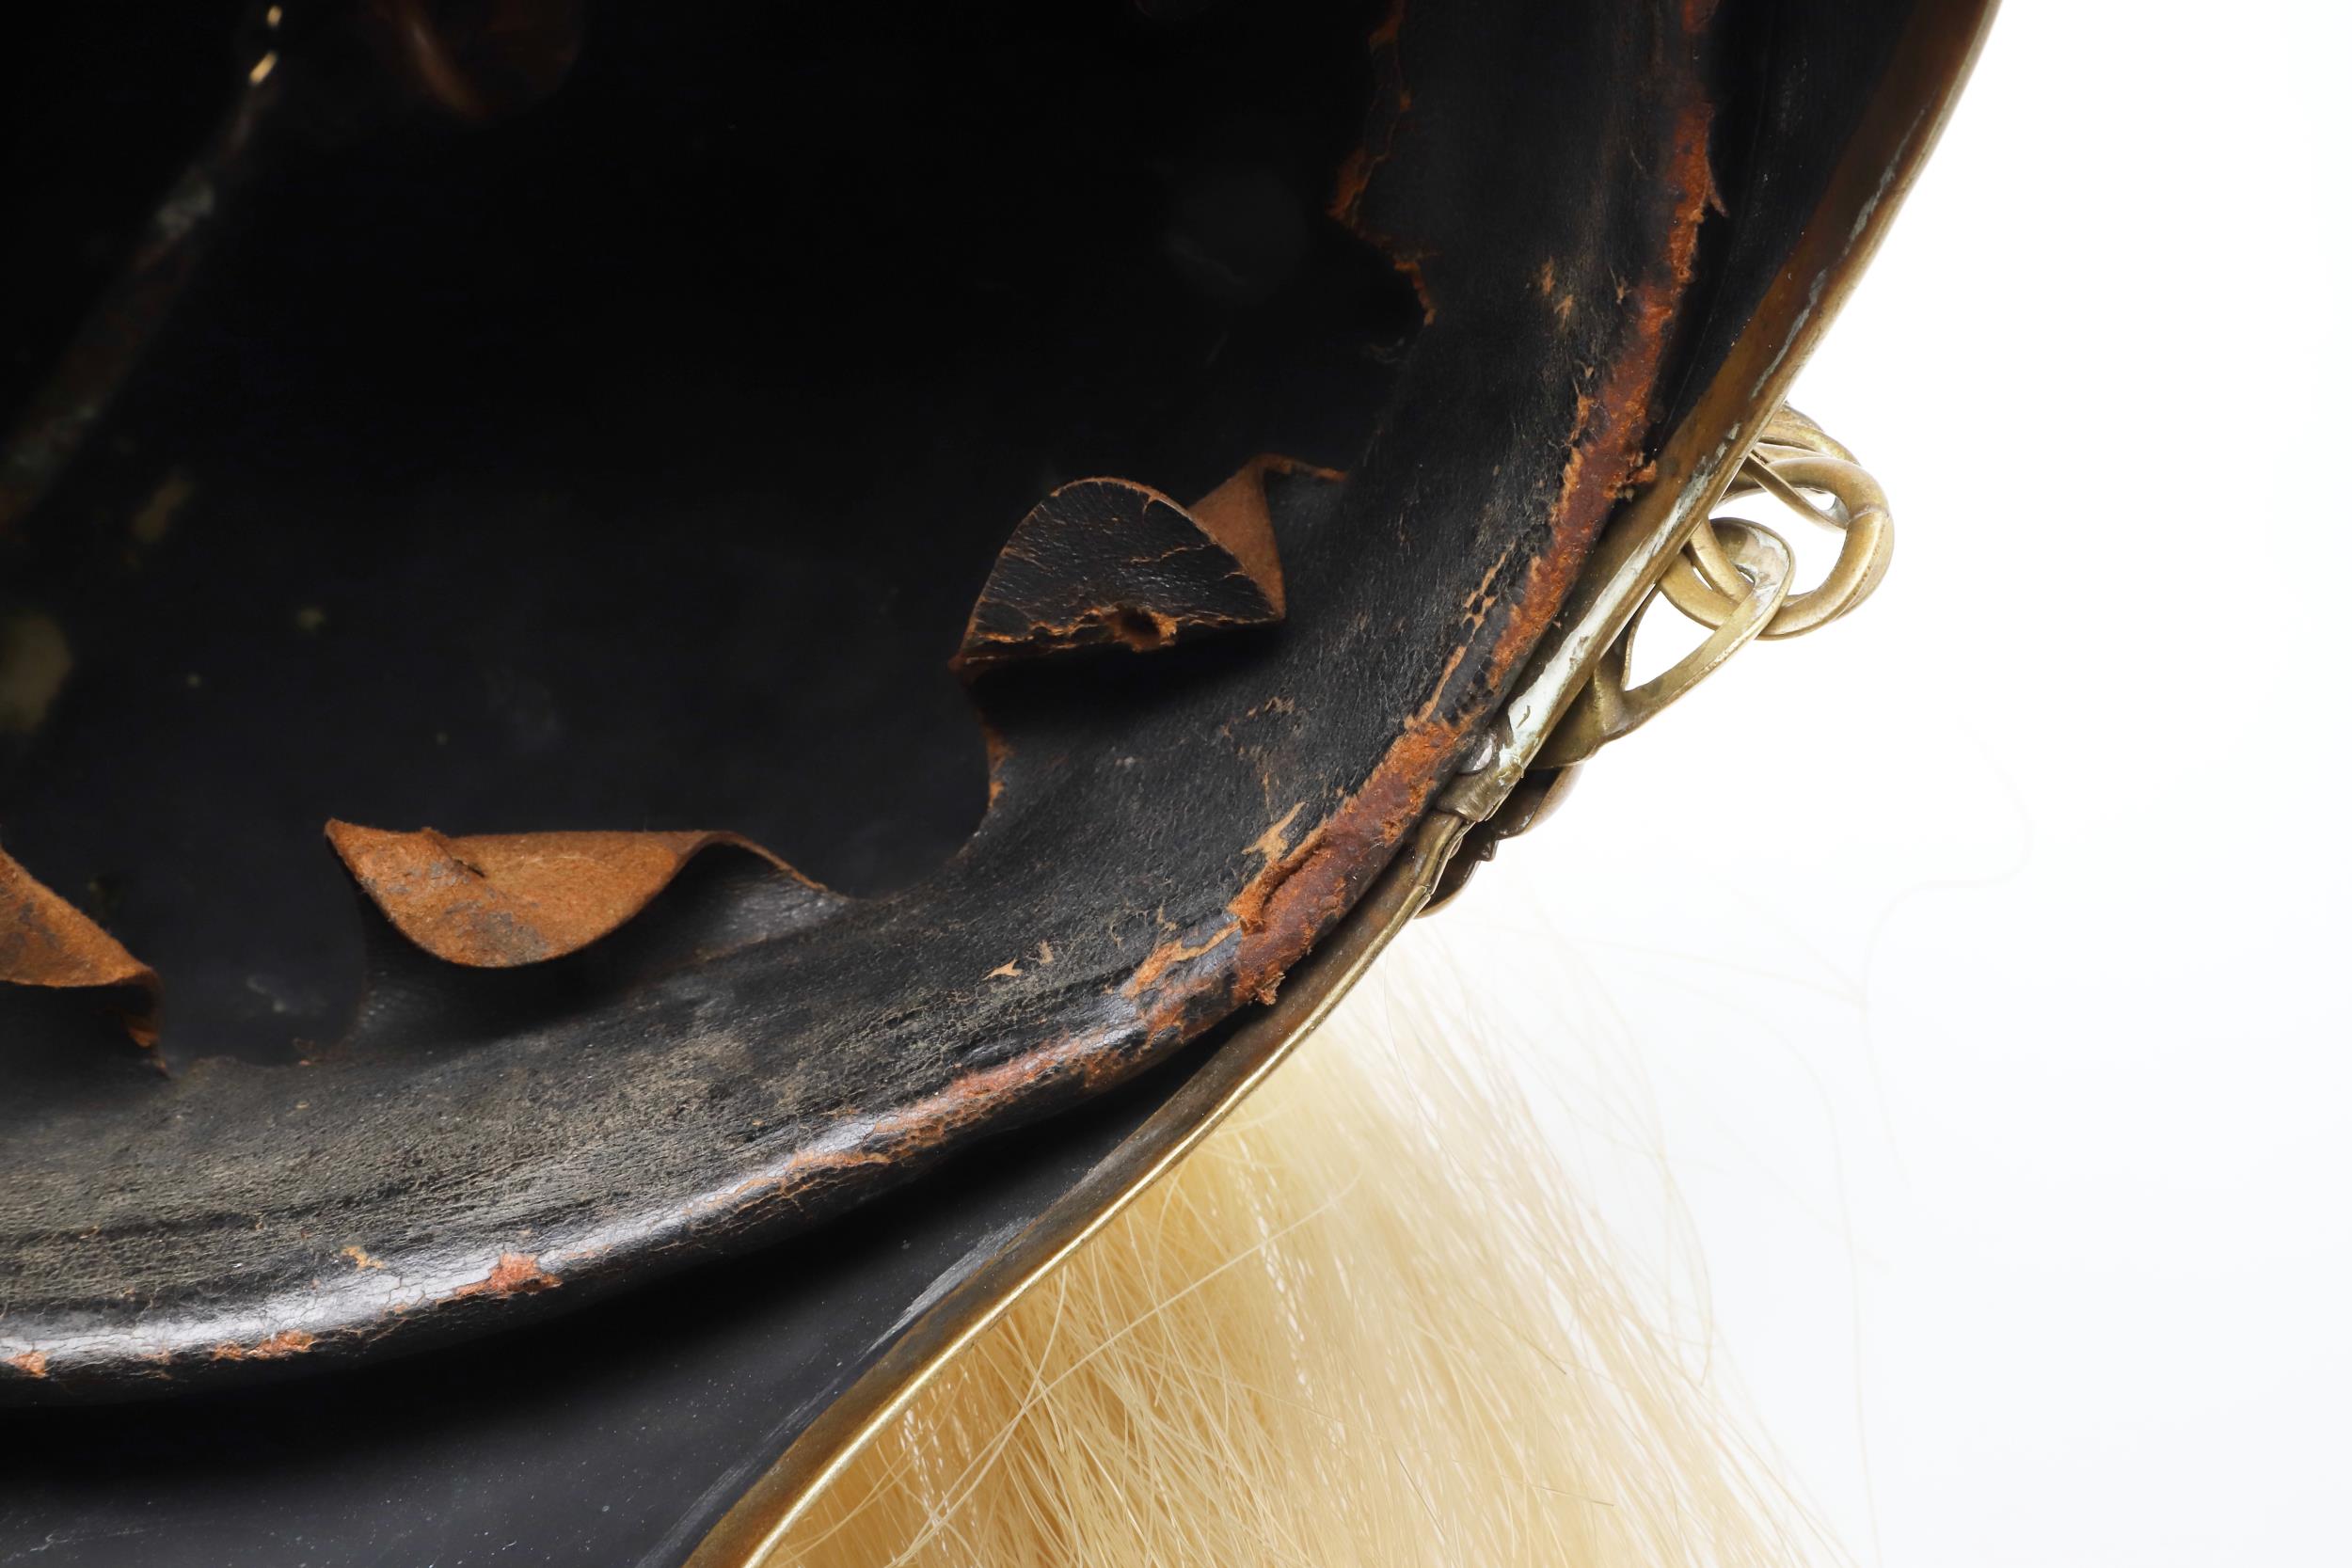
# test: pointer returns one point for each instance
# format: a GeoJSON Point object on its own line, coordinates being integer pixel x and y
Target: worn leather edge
{"type": "Point", "coordinates": [1189, 982]}
{"type": "Point", "coordinates": [1883, 159]}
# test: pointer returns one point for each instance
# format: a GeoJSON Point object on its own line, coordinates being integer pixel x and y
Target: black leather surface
{"type": "Point", "coordinates": [615, 1437]}
{"type": "Point", "coordinates": [418, 356]}
{"type": "Point", "coordinates": [661, 1403]}
{"type": "Point", "coordinates": [1168, 834]}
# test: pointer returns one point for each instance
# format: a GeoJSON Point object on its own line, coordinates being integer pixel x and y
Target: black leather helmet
{"type": "Point", "coordinates": [637, 634]}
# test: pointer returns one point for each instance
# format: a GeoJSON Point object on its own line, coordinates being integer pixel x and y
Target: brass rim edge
{"type": "Point", "coordinates": [1703, 453]}
{"type": "Point", "coordinates": [752, 1529]}
{"type": "Point", "coordinates": [1876, 170]}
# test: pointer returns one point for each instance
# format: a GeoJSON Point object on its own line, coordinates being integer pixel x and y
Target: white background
{"type": "Point", "coordinates": [1976, 968]}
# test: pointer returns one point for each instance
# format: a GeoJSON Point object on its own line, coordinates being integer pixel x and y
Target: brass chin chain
{"type": "Point", "coordinates": [1792, 457]}
{"type": "Point", "coordinates": [1733, 578]}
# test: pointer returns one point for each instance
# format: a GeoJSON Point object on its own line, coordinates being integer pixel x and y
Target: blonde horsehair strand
{"type": "Point", "coordinates": [1368, 1322]}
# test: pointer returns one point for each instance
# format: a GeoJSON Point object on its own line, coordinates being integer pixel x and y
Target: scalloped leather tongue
{"type": "Point", "coordinates": [46, 942]}
{"type": "Point", "coordinates": [500, 901]}
{"type": "Point", "coordinates": [1099, 562]}
{"type": "Point", "coordinates": [1104, 562]}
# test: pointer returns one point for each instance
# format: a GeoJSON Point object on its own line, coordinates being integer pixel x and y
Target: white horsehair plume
{"type": "Point", "coordinates": [1370, 1322]}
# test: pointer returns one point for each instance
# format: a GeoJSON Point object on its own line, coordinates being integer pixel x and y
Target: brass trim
{"type": "Point", "coordinates": [1703, 455]}
{"type": "Point", "coordinates": [1897, 128]}
{"type": "Point", "coordinates": [1577, 701]}
{"type": "Point", "coordinates": [1794, 457]}
{"type": "Point", "coordinates": [1608, 710]}
{"type": "Point", "coordinates": [752, 1530]}
{"type": "Point", "coordinates": [1732, 577]}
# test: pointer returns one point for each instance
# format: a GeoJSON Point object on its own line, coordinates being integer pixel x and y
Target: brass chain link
{"type": "Point", "coordinates": [1732, 576]}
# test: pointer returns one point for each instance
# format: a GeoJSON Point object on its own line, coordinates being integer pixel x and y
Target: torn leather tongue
{"type": "Point", "coordinates": [503, 900]}
{"type": "Point", "coordinates": [46, 942]}
{"type": "Point", "coordinates": [1109, 562]}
